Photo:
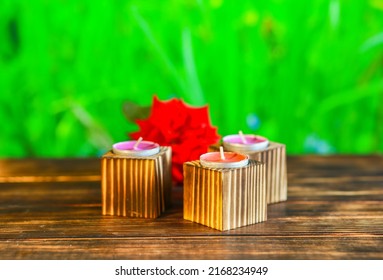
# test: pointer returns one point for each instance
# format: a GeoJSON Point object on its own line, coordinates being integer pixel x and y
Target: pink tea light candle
{"type": "Point", "coordinates": [223, 159]}
{"type": "Point", "coordinates": [243, 143]}
{"type": "Point", "coordinates": [135, 148]}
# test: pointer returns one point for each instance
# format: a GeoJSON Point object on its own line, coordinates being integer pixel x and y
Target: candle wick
{"type": "Point", "coordinates": [242, 137]}
{"type": "Point", "coordinates": [222, 153]}
{"type": "Point", "coordinates": [137, 143]}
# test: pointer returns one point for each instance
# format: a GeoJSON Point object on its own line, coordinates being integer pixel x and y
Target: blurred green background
{"type": "Point", "coordinates": [305, 73]}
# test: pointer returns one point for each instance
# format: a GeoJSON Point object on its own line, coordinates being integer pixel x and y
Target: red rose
{"type": "Point", "coordinates": [186, 129]}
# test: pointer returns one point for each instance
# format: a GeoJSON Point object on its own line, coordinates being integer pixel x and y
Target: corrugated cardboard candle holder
{"type": "Point", "coordinates": [274, 156]}
{"type": "Point", "coordinates": [225, 198]}
{"type": "Point", "coordinates": [136, 187]}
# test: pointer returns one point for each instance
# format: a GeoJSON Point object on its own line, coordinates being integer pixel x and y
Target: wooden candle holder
{"type": "Point", "coordinates": [225, 198]}
{"type": "Point", "coordinates": [274, 156]}
{"type": "Point", "coordinates": [136, 187]}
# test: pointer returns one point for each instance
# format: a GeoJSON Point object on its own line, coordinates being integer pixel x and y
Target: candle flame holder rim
{"type": "Point", "coordinates": [136, 153]}
{"type": "Point", "coordinates": [223, 165]}
{"type": "Point", "coordinates": [245, 147]}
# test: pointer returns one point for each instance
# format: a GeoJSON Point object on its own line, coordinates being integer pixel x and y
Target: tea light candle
{"type": "Point", "coordinates": [223, 159]}
{"type": "Point", "coordinates": [243, 143]}
{"type": "Point", "coordinates": [135, 148]}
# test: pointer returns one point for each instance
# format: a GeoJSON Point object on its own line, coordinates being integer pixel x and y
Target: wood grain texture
{"type": "Point", "coordinates": [334, 211]}
{"type": "Point", "coordinates": [136, 187]}
{"type": "Point", "coordinates": [274, 156]}
{"type": "Point", "coordinates": [225, 198]}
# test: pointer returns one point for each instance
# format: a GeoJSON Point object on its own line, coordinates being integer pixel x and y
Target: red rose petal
{"type": "Point", "coordinates": [186, 129]}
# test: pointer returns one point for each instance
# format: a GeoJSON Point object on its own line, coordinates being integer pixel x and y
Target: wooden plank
{"type": "Point", "coordinates": [49, 170]}
{"type": "Point", "coordinates": [334, 211]}
{"type": "Point", "coordinates": [185, 248]}
{"type": "Point", "coordinates": [72, 220]}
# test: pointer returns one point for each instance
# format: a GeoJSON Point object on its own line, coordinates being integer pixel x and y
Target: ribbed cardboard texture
{"type": "Point", "coordinates": [136, 187]}
{"type": "Point", "coordinates": [274, 156]}
{"type": "Point", "coordinates": [225, 198]}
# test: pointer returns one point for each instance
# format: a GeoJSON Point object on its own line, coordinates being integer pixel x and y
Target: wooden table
{"type": "Point", "coordinates": [51, 209]}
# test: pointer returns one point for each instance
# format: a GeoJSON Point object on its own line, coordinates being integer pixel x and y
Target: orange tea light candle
{"type": "Point", "coordinates": [223, 159]}
{"type": "Point", "coordinates": [137, 148]}
{"type": "Point", "coordinates": [243, 143]}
